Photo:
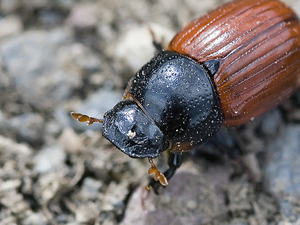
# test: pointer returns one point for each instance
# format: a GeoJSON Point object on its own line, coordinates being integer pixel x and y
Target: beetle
{"type": "Point", "coordinates": [223, 69]}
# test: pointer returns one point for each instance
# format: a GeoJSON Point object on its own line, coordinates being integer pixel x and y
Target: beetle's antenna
{"type": "Point", "coordinates": [85, 118]}
{"type": "Point", "coordinates": [158, 176]}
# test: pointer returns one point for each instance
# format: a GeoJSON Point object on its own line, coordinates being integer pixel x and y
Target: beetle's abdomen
{"type": "Point", "coordinates": [258, 47]}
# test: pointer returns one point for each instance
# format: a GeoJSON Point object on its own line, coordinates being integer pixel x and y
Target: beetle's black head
{"type": "Point", "coordinates": [133, 132]}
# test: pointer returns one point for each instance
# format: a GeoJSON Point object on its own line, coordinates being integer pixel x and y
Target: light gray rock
{"type": "Point", "coordinates": [10, 25]}
{"type": "Point", "coordinates": [33, 60]}
{"type": "Point", "coordinates": [50, 159]}
{"type": "Point", "coordinates": [28, 127]}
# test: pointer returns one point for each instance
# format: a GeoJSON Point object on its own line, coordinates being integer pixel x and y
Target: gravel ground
{"type": "Point", "coordinates": [74, 55]}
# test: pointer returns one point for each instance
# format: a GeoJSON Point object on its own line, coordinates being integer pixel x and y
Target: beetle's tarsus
{"type": "Point", "coordinates": [174, 162]}
{"type": "Point", "coordinates": [158, 176]}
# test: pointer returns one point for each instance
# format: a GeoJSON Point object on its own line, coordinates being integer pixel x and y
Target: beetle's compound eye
{"type": "Point", "coordinates": [133, 132]}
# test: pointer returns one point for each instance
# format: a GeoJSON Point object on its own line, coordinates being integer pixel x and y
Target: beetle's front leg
{"type": "Point", "coordinates": [174, 162]}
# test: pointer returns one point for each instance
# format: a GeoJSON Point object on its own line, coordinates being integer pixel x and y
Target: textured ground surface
{"type": "Point", "coordinates": [70, 55]}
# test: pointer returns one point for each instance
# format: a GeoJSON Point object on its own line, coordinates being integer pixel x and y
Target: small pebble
{"type": "Point", "coordinates": [10, 25]}
{"type": "Point", "coordinates": [84, 15]}
{"type": "Point", "coordinates": [49, 159]}
{"type": "Point", "coordinates": [90, 188]}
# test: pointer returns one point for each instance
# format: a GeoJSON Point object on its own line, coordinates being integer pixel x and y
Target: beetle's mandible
{"type": "Point", "coordinates": [225, 68]}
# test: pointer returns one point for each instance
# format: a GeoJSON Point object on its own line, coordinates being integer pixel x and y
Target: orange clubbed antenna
{"type": "Point", "coordinates": [85, 118]}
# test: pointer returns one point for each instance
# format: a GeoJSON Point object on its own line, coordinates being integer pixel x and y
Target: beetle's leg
{"type": "Point", "coordinates": [158, 176]}
{"type": "Point", "coordinates": [174, 162]}
{"type": "Point", "coordinates": [157, 45]}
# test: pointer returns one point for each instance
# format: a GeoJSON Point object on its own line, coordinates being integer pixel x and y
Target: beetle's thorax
{"type": "Point", "coordinates": [177, 93]}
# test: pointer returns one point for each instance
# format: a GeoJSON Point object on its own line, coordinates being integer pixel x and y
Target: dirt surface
{"type": "Point", "coordinates": [71, 55]}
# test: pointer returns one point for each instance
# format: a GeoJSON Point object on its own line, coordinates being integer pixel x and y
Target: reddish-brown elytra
{"type": "Point", "coordinates": [257, 45]}
{"type": "Point", "coordinates": [225, 68]}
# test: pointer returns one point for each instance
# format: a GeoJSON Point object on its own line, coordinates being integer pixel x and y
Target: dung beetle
{"type": "Point", "coordinates": [225, 68]}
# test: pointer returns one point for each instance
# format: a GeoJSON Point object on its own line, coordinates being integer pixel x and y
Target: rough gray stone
{"type": "Point", "coordinates": [282, 174]}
